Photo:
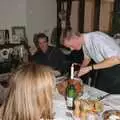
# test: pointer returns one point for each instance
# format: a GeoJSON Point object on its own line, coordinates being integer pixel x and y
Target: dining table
{"type": "Point", "coordinates": [110, 102]}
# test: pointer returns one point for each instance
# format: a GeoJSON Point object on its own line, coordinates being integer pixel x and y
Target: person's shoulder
{"type": "Point", "coordinates": [98, 33]}
{"type": "Point", "coordinates": [95, 37]}
{"type": "Point", "coordinates": [95, 33]}
{"type": "Point", "coordinates": [51, 47]}
{"type": "Point", "coordinates": [57, 50]}
{"type": "Point", "coordinates": [91, 35]}
{"type": "Point", "coordinates": [37, 53]}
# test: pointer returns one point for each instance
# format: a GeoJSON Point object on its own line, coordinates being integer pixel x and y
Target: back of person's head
{"type": "Point", "coordinates": [68, 34]}
{"type": "Point", "coordinates": [38, 36]}
{"type": "Point", "coordinates": [30, 97]}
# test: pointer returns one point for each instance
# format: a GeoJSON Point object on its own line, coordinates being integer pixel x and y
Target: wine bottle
{"type": "Point", "coordinates": [71, 95]}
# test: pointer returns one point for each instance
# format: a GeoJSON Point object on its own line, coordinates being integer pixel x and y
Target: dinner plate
{"type": "Point", "coordinates": [57, 73]}
{"type": "Point", "coordinates": [59, 79]}
{"type": "Point", "coordinates": [111, 115]}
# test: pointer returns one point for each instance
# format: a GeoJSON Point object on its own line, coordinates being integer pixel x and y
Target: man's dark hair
{"type": "Point", "coordinates": [38, 36]}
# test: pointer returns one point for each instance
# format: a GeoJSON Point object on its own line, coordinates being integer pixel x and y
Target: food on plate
{"type": "Point", "coordinates": [77, 108]}
{"type": "Point", "coordinates": [87, 109]}
{"type": "Point", "coordinates": [83, 115]}
{"type": "Point", "coordinates": [111, 115]}
{"type": "Point", "coordinates": [91, 105]}
{"type": "Point", "coordinates": [61, 87]}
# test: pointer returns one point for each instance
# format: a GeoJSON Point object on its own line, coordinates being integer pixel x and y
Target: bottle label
{"type": "Point", "coordinates": [69, 101]}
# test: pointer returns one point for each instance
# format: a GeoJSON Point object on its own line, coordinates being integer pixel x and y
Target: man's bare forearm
{"type": "Point", "coordinates": [107, 63]}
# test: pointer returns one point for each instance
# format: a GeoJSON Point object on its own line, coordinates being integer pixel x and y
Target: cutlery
{"type": "Point", "coordinates": [102, 97]}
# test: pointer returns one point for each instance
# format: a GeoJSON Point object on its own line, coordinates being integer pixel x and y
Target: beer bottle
{"type": "Point", "coordinates": [71, 95]}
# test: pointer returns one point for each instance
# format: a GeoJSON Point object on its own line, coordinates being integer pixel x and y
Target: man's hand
{"type": "Point", "coordinates": [84, 70]}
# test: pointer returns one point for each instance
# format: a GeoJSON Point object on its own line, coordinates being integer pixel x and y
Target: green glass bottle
{"type": "Point", "coordinates": [71, 95]}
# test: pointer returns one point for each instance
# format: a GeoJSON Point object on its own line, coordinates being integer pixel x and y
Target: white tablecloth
{"type": "Point", "coordinates": [110, 102]}
{"type": "Point", "coordinates": [60, 104]}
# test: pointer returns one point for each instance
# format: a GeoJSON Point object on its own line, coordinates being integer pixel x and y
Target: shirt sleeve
{"type": "Point", "coordinates": [108, 52]}
{"type": "Point", "coordinates": [107, 46]}
{"type": "Point", "coordinates": [85, 52]}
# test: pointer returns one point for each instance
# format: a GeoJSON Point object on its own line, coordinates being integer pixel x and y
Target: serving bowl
{"type": "Point", "coordinates": [61, 87]}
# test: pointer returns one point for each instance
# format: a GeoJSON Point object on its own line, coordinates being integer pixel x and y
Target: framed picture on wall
{"type": "Point", "coordinates": [18, 34]}
{"type": "Point", "coordinates": [2, 36]}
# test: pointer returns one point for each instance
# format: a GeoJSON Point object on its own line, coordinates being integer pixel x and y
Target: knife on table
{"type": "Point", "coordinates": [102, 97]}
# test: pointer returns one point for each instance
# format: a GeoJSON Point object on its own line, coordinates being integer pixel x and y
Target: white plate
{"type": "Point", "coordinates": [110, 112]}
{"type": "Point", "coordinates": [57, 73]}
{"type": "Point", "coordinates": [60, 79]}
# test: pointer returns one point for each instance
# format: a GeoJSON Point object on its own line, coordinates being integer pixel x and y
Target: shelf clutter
{"type": "Point", "coordinates": [12, 55]}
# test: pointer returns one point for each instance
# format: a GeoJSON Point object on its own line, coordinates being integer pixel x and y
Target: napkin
{"type": "Point", "coordinates": [113, 101]}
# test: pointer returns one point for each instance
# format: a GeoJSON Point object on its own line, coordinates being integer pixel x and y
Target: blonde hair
{"type": "Point", "coordinates": [30, 97]}
{"type": "Point", "coordinates": [68, 34]}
